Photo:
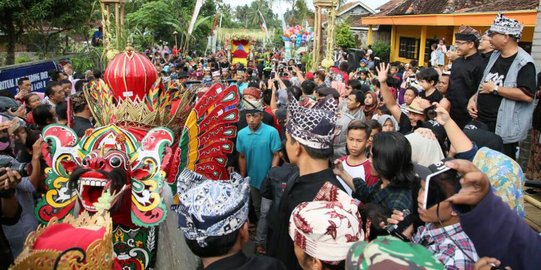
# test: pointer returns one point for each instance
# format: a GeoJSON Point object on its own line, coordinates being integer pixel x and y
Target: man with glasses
{"type": "Point", "coordinates": [485, 47]}
{"type": "Point", "coordinates": [465, 75]}
{"type": "Point", "coordinates": [504, 99]}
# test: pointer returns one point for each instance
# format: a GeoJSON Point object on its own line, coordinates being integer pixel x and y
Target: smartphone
{"type": "Point", "coordinates": [290, 68]}
{"type": "Point", "coordinates": [273, 74]}
{"type": "Point", "coordinates": [439, 184]}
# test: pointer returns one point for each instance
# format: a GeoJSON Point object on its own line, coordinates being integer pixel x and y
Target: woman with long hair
{"type": "Point", "coordinates": [391, 162]}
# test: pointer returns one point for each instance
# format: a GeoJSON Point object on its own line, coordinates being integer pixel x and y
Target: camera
{"type": "Point", "coordinates": [397, 229]}
{"type": "Point", "coordinates": [431, 113]}
{"type": "Point", "coordinates": [24, 169]}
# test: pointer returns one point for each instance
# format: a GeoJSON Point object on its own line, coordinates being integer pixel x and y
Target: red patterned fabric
{"type": "Point", "coordinates": [327, 227]}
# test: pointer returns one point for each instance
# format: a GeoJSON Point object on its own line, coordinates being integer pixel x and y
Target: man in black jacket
{"type": "Point", "coordinates": [309, 139]}
{"type": "Point", "coordinates": [271, 190]}
{"type": "Point", "coordinates": [466, 74]}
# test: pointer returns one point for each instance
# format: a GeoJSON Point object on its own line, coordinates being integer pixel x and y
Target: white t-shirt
{"type": "Point", "coordinates": [360, 170]}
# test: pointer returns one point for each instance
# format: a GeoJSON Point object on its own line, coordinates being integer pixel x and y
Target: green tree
{"type": "Point", "coordinates": [154, 17]}
{"type": "Point", "coordinates": [52, 17]}
{"type": "Point", "coordinates": [299, 13]}
{"type": "Point", "coordinates": [228, 17]}
{"type": "Point", "coordinates": [248, 15]}
{"type": "Point", "coordinates": [343, 36]}
{"type": "Point", "coordinates": [161, 18]}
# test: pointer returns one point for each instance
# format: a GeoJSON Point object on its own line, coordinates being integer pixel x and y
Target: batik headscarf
{"type": "Point", "coordinates": [506, 26]}
{"type": "Point", "coordinates": [467, 33]}
{"type": "Point", "coordinates": [327, 227]}
{"type": "Point", "coordinates": [211, 207]}
{"type": "Point", "coordinates": [313, 127]}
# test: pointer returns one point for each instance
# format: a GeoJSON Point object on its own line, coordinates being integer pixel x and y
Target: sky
{"type": "Point", "coordinates": [280, 6]}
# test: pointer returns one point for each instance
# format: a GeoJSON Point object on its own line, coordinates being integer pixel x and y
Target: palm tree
{"type": "Point", "coordinates": [254, 18]}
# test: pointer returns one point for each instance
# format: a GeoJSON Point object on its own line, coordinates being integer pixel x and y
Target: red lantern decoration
{"type": "Point", "coordinates": [130, 75]}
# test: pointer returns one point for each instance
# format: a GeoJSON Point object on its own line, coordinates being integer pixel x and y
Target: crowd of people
{"type": "Point", "coordinates": [332, 169]}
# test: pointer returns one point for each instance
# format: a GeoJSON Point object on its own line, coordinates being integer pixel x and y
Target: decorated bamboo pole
{"type": "Point", "coordinates": [112, 35]}
{"type": "Point", "coordinates": [330, 6]}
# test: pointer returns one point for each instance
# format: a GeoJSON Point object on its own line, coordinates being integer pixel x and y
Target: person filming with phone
{"type": "Point", "coordinates": [442, 233]}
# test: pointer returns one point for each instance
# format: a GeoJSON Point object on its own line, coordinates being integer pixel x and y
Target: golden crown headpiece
{"type": "Point", "coordinates": [132, 95]}
{"type": "Point", "coordinates": [42, 251]}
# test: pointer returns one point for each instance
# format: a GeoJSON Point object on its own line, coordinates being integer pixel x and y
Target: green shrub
{"type": "Point", "coordinates": [87, 58]}
{"type": "Point", "coordinates": [343, 36]}
{"type": "Point", "coordinates": [382, 50]}
{"type": "Point", "coordinates": [23, 58]}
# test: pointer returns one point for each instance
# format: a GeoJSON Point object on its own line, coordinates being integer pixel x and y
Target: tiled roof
{"type": "Point", "coordinates": [411, 7]}
{"type": "Point", "coordinates": [355, 21]}
{"type": "Point", "coordinates": [346, 6]}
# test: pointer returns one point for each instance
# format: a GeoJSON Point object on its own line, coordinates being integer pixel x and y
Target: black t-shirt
{"type": "Point", "coordinates": [434, 97]}
{"type": "Point", "coordinates": [489, 104]}
{"type": "Point", "coordinates": [466, 74]}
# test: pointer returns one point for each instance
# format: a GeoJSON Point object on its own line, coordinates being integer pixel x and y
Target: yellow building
{"type": "Point", "coordinates": [415, 25]}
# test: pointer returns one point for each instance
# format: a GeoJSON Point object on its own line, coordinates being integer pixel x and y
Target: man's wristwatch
{"type": "Point", "coordinates": [495, 91]}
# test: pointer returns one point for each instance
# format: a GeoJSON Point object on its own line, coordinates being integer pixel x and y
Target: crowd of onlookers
{"type": "Point", "coordinates": [333, 169]}
{"type": "Point", "coordinates": [384, 165]}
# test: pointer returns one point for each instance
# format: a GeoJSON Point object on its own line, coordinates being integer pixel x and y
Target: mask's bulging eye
{"type": "Point", "coordinates": [86, 161]}
{"type": "Point", "coordinates": [115, 162]}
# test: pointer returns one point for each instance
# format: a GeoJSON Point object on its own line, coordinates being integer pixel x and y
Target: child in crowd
{"type": "Point", "coordinates": [391, 162]}
{"type": "Point", "coordinates": [428, 79]}
{"type": "Point", "coordinates": [363, 65]}
{"type": "Point", "coordinates": [364, 77]}
{"type": "Point", "coordinates": [356, 163]}
{"type": "Point", "coordinates": [372, 215]}
{"type": "Point", "coordinates": [434, 55]}
{"type": "Point", "coordinates": [271, 191]}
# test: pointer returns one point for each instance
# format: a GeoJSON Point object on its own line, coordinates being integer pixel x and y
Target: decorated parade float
{"type": "Point", "coordinates": [146, 133]}
{"type": "Point", "coordinates": [240, 43]}
{"type": "Point", "coordinates": [125, 169]}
